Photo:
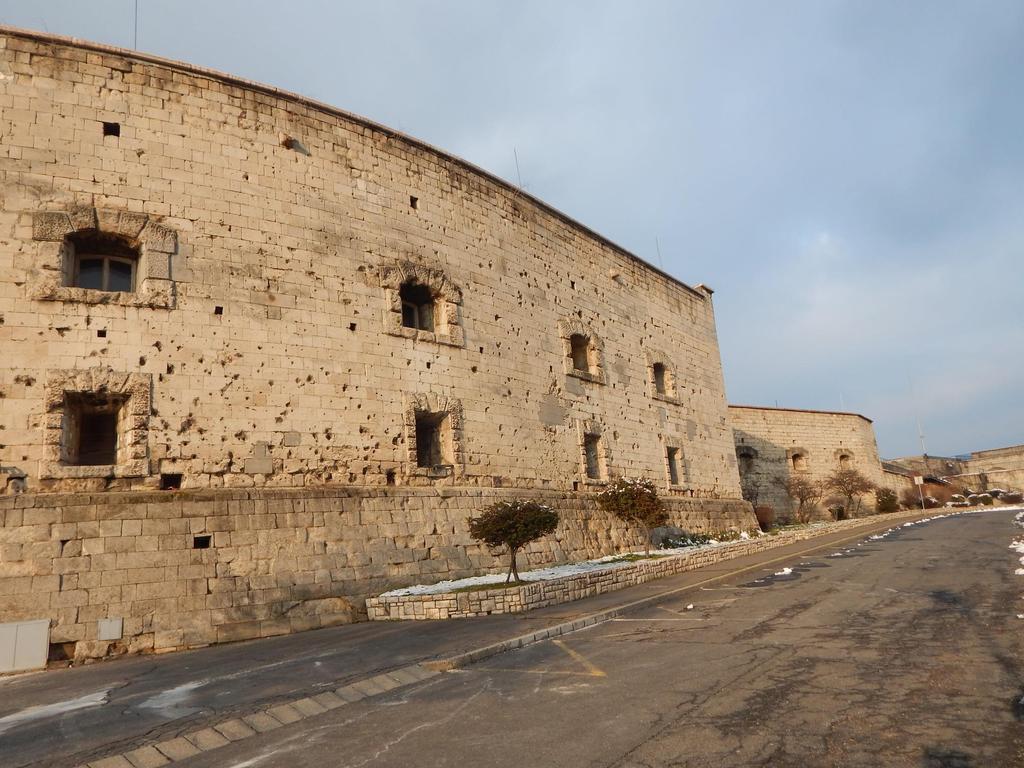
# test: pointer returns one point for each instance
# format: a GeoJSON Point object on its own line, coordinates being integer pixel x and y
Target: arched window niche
{"type": "Point", "coordinates": [798, 460]}
{"type": "Point", "coordinates": [104, 256]}
{"type": "Point", "coordinates": [422, 303]}
{"type": "Point", "coordinates": [662, 379]}
{"type": "Point", "coordinates": [100, 261]}
{"type": "Point", "coordinates": [582, 350]}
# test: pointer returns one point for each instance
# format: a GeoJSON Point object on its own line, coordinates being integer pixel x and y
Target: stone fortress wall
{"type": "Point", "coordinates": [996, 468]}
{"type": "Point", "coordinates": [773, 444]}
{"type": "Point", "coordinates": [978, 471]}
{"type": "Point", "coordinates": [338, 343]}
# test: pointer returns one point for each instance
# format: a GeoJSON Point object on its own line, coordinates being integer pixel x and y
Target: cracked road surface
{"type": "Point", "coordinates": [903, 651]}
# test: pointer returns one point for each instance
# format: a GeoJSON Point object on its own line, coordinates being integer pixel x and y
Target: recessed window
{"type": "Point", "coordinates": [658, 372]}
{"type": "Point", "coordinates": [672, 456]}
{"type": "Point", "coordinates": [91, 429]}
{"type": "Point", "coordinates": [102, 262]}
{"type": "Point", "coordinates": [580, 350]}
{"type": "Point", "coordinates": [430, 443]}
{"type": "Point", "coordinates": [414, 202]}
{"type": "Point", "coordinates": [845, 461]}
{"type": "Point", "coordinates": [592, 456]}
{"type": "Point", "coordinates": [111, 129]}
{"type": "Point", "coordinates": [202, 542]}
{"type": "Point", "coordinates": [799, 462]}
{"type": "Point", "coordinates": [417, 306]}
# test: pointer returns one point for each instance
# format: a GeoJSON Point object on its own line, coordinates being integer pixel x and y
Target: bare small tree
{"type": "Point", "coordinates": [805, 492]}
{"type": "Point", "coordinates": [850, 485]}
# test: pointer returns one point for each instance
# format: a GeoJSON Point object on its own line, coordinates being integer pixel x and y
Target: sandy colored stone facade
{"type": "Point", "coordinates": [773, 444]}
{"type": "Point", "coordinates": [277, 249]}
{"type": "Point", "coordinates": [996, 468]}
{"type": "Point", "coordinates": [978, 471]}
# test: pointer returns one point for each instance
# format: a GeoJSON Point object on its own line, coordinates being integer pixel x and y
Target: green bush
{"type": "Point", "coordinates": [512, 525]}
{"type": "Point", "coordinates": [635, 501]}
{"type": "Point", "coordinates": [886, 501]}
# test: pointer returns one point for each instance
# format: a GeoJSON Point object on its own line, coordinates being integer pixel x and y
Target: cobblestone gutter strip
{"type": "Point", "coordinates": [238, 728]}
{"type": "Point", "coordinates": [540, 594]}
{"type": "Point", "coordinates": [235, 729]}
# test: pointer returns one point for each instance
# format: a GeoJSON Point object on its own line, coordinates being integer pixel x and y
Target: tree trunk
{"type": "Point", "coordinates": [513, 569]}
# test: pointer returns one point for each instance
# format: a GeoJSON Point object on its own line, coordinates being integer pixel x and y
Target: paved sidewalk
{"type": "Point", "coordinates": [196, 699]}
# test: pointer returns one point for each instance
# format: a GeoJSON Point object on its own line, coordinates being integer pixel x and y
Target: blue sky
{"type": "Point", "coordinates": [848, 176]}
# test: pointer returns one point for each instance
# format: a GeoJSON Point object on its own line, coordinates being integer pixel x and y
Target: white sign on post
{"type": "Point", "coordinates": [918, 480]}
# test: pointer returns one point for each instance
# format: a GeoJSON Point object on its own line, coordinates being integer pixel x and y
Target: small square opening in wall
{"type": "Point", "coordinates": [672, 455]}
{"type": "Point", "coordinates": [202, 542]}
{"type": "Point", "coordinates": [218, 310]}
{"type": "Point", "coordinates": [414, 202]}
{"type": "Point", "coordinates": [101, 333]}
{"type": "Point", "coordinates": [111, 129]}
{"type": "Point", "coordinates": [592, 456]}
{"type": "Point", "coordinates": [170, 481]}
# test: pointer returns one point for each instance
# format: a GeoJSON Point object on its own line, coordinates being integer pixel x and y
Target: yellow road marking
{"type": "Point", "coordinates": [590, 667]}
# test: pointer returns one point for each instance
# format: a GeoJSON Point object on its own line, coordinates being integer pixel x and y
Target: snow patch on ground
{"type": "Point", "coordinates": [784, 572]}
{"type": "Point", "coordinates": [608, 562]}
{"type": "Point", "coordinates": [57, 708]}
{"type": "Point", "coordinates": [171, 701]}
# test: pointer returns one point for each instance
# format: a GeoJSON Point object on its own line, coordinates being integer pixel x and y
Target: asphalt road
{"type": "Point", "coordinates": [901, 651]}
{"type": "Point", "coordinates": [904, 651]}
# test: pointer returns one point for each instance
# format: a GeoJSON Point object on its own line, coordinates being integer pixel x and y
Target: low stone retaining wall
{"type": "Point", "coordinates": [182, 569]}
{"type": "Point", "coordinates": [538, 594]}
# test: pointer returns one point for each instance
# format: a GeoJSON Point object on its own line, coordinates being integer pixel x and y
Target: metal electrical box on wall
{"type": "Point", "coordinates": [24, 645]}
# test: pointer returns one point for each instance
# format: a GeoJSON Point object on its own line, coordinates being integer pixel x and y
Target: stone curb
{"type": "Point", "coordinates": [237, 729]}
